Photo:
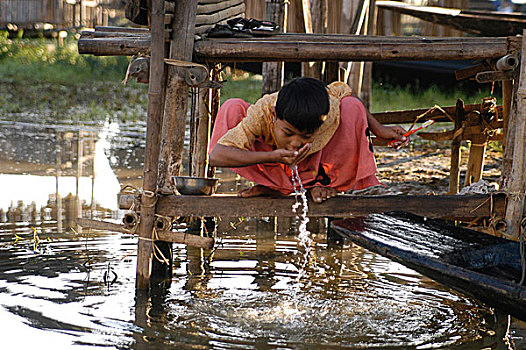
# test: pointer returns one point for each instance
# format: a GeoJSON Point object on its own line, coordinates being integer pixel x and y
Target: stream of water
{"type": "Point", "coordinates": [62, 288]}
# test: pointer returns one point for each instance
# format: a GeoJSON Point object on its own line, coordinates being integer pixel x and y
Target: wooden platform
{"type": "Point", "coordinates": [460, 207]}
{"type": "Point", "coordinates": [485, 267]}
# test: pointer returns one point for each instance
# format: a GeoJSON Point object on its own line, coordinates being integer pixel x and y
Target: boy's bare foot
{"type": "Point", "coordinates": [319, 194]}
{"type": "Point", "coordinates": [258, 190]}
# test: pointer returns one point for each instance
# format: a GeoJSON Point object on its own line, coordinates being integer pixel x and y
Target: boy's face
{"type": "Point", "coordinates": [288, 137]}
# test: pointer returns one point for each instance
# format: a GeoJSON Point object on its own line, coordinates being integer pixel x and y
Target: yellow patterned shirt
{"type": "Point", "coordinates": [259, 121]}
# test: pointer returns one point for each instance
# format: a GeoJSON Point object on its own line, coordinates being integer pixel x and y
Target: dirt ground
{"type": "Point", "coordinates": [423, 167]}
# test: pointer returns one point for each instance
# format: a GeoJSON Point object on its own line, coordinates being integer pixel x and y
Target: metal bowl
{"type": "Point", "coordinates": [188, 185]}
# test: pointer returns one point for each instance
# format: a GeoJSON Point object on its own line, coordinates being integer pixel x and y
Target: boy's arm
{"type": "Point", "coordinates": [387, 133]}
{"type": "Point", "coordinates": [232, 157]}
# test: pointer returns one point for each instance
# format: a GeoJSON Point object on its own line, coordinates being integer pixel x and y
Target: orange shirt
{"type": "Point", "coordinates": [259, 121]}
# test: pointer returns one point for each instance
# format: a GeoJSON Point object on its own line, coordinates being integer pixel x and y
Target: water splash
{"type": "Point", "coordinates": [304, 234]}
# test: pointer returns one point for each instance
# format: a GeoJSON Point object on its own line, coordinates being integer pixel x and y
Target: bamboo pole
{"type": "Point", "coordinates": [309, 47]}
{"type": "Point", "coordinates": [201, 135]}
{"type": "Point", "coordinates": [167, 236]}
{"type": "Point", "coordinates": [367, 49]}
{"type": "Point", "coordinates": [176, 106]}
{"type": "Point", "coordinates": [507, 90]}
{"type": "Point", "coordinates": [517, 186]}
{"type": "Point", "coordinates": [274, 72]}
{"type": "Point", "coordinates": [454, 169]}
{"type": "Point", "coordinates": [215, 100]}
{"type": "Point", "coordinates": [368, 66]}
{"type": "Point", "coordinates": [155, 109]}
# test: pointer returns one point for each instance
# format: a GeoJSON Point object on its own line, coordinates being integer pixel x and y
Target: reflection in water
{"type": "Point", "coordinates": [71, 171]}
{"type": "Point", "coordinates": [69, 290]}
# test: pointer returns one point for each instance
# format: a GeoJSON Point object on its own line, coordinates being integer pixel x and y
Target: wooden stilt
{"type": "Point", "coordinates": [274, 72]}
{"type": "Point", "coordinates": [454, 169]}
{"type": "Point", "coordinates": [517, 184]}
{"type": "Point", "coordinates": [176, 106]}
{"type": "Point", "coordinates": [155, 109]}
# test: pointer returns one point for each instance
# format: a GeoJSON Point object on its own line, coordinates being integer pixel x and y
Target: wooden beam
{"type": "Point", "coordinates": [114, 46]}
{"type": "Point", "coordinates": [443, 206]}
{"type": "Point", "coordinates": [389, 49]}
{"type": "Point", "coordinates": [166, 236]}
{"type": "Point", "coordinates": [312, 47]}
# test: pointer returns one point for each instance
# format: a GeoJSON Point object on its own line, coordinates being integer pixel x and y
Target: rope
{"type": "Point", "coordinates": [432, 109]}
{"type": "Point", "coordinates": [523, 250]}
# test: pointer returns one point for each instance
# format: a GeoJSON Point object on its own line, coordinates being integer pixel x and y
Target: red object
{"type": "Point", "coordinates": [411, 132]}
{"type": "Point", "coordinates": [347, 159]}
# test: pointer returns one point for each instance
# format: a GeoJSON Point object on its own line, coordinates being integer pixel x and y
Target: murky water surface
{"type": "Point", "coordinates": [69, 289]}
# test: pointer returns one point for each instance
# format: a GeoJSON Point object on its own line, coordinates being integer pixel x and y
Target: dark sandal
{"type": "Point", "coordinates": [220, 31]}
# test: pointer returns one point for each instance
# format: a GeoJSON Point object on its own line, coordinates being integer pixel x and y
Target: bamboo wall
{"type": "Point", "coordinates": [59, 13]}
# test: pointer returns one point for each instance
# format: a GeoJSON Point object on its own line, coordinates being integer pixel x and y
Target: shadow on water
{"type": "Point", "coordinates": [67, 288]}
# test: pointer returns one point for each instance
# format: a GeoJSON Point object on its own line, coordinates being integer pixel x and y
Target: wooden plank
{"type": "Point", "coordinates": [221, 15]}
{"type": "Point", "coordinates": [215, 7]}
{"type": "Point", "coordinates": [442, 206]}
{"type": "Point", "coordinates": [122, 29]}
{"type": "Point", "coordinates": [166, 236]}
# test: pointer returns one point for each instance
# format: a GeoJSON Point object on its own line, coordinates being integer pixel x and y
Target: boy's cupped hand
{"type": "Point", "coordinates": [290, 157]}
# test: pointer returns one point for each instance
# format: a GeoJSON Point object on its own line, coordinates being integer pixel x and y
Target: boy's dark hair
{"type": "Point", "coordinates": [302, 102]}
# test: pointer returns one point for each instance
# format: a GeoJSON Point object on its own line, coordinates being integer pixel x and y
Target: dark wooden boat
{"type": "Point", "coordinates": [485, 23]}
{"type": "Point", "coordinates": [485, 267]}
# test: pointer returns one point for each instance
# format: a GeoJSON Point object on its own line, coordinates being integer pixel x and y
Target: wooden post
{"type": "Point", "coordinates": [477, 150]}
{"type": "Point", "coordinates": [517, 184]}
{"type": "Point", "coordinates": [454, 169]}
{"type": "Point", "coordinates": [274, 72]}
{"type": "Point", "coordinates": [368, 66]}
{"type": "Point", "coordinates": [355, 70]}
{"type": "Point", "coordinates": [176, 106]}
{"type": "Point", "coordinates": [155, 109]}
{"type": "Point", "coordinates": [309, 69]}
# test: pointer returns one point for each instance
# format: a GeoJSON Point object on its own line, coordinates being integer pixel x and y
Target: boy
{"type": "Point", "coordinates": [319, 128]}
